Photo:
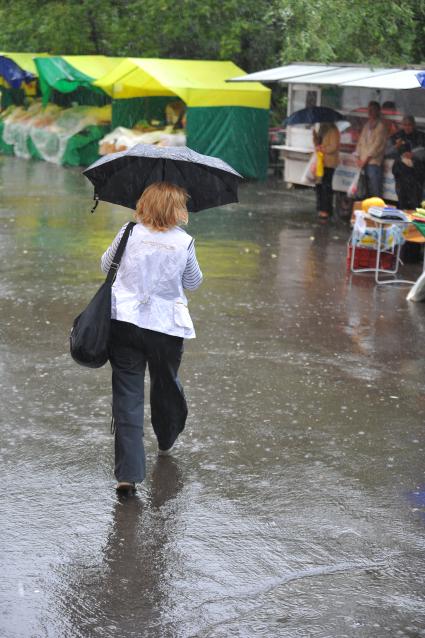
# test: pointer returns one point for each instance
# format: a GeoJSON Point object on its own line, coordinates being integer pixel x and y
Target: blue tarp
{"type": "Point", "coordinates": [13, 74]}
{"type": "Point", "coordinates": [421, 78]}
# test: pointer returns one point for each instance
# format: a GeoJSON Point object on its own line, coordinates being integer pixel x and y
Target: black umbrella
{"type": "Point", "coordinates": [121, 178]}
{"type": "Point", "coordinates": [312, 115]}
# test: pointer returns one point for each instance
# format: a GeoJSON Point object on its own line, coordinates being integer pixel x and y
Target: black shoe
{"type": "Point", "coordinates": [125, 488]}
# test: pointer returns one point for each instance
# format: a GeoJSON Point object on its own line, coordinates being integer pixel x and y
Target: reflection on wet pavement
{"type": "Point", "coordinates": [293, 505]}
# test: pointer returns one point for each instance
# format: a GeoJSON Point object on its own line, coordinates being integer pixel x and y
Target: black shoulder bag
{"type": "Point", "coordinates": [89, 338]}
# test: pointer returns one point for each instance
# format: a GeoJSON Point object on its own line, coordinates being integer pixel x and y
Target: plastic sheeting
{"type": "Point", "coordinates": [69, 74]}
{"type": "Point", "coordinates": [123, 138]}
{"type": "Point", "coordinates": [236, 135]}
{"type": "Point", "coordinates": [5, 149]}
{"type": "Point", "coordinates": [13, 74]}
{"type": "Point", "coordinates": [24, 60]}
{"type": "Point", "coordinates": [368, 237]}
{"type": "Point", "coordinates": [46, 132]}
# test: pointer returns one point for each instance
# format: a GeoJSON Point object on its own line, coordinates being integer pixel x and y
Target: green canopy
{"type": "Point", "coordinates": [74, 74]}
{"type": "Point", "coordinates": [225, 120]}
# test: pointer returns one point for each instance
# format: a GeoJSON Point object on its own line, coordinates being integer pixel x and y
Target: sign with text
{"type": "Point", "coordinates": [346, 171]}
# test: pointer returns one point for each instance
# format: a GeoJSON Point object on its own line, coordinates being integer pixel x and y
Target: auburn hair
{"type": "Point", "coordinates": [162, 206]}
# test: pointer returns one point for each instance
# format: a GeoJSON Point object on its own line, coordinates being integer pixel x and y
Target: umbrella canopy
{"type": "Point", "coordinates": [312, 115]}
{"type": "Point", "coordinates": [120, 178]}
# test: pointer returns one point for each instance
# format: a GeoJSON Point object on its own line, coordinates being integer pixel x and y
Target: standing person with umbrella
{"type": "Point", "coordinates": [149, 313]}
{"type": "Point", "coordinates": [326, 141]}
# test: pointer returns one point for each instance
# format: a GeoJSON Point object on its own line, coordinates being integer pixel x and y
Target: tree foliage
{"type": "Point", "coordinates": [256, 34]}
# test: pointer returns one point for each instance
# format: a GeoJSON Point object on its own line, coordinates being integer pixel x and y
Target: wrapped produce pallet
{"type": "Point", "coordinates": [62, 136]}
{"type": "Point", "coordinates": [121, 138]}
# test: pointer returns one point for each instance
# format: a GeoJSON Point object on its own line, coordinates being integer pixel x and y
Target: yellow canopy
{"type": "Point", "coordinates": [196, 82]}
{"type": "Point", "coordinates": [95, 66]}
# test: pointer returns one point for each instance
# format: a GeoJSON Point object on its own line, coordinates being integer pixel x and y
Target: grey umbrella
{"type": "Point", "coordinates": [121, 178]}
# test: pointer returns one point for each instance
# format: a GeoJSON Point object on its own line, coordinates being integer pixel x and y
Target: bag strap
{"type": "Point", "coordinates": [119, 253]}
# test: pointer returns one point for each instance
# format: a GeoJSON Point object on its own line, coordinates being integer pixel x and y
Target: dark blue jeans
{"type": "Point", "coordinates": [374, 177]}
{"type": "Point", "coordinates": [131, 349]}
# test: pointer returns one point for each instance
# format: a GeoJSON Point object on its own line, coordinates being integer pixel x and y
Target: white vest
{"type": "Point", "coordinates": [148, 290]}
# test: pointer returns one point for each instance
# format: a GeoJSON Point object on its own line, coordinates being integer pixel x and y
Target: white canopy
{"type": "Point", "coordinates": [323, 74]}
{"type": "Point", "coordinates": [396, 79]}
{"type": "Point", "coordinates": [280, 74]}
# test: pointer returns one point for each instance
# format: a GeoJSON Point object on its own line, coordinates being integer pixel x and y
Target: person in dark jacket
{"type": "Point", "coordinates": [409, 163]}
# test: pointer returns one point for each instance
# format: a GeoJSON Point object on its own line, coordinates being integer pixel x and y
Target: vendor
{"type": "Point", "coordinates": [371, 148]}
{"type": "Point", "coordinates": [409, 163]}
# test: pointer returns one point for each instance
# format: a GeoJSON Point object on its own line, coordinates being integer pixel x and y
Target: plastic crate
{"type": "Point", "coordinates": [366, 258]}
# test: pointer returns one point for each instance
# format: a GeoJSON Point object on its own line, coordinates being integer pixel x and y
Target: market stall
{"type": "Point", "coordinates": [64, 125]}
{"type": "Point", "coordinates": [18, 83]}
{"type": "Point", "coordinates": [190, 99]}
{"type": "Point", "coordinates": [63, 136]}
{"type": "Point", "coordinates": [347, 89]}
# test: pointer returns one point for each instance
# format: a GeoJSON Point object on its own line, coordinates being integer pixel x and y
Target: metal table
{"type": "Point", "coordinates": [381, 272]}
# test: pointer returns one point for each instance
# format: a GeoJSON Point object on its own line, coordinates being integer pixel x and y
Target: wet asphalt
{"type": "Point", "coordinates": [294, 504]}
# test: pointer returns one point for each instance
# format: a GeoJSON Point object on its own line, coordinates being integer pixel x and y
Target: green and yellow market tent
{"type": "Point", "coordinates": [223, 119]}
{"type": "Point", "coordinates": [73, 116]}
{"type": "Point", "coordinates": [70, 78]}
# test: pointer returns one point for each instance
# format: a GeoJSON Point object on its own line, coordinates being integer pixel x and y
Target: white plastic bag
{"type": "Point", "coordinates": [309, 176]}
{"type": "Point", "coordinates": [352, 189]}
{"type": "Point", "coordinates": [358, 186]}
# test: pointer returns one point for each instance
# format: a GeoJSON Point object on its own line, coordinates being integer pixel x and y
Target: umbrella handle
{"type": "Point", "coordinates": [96, 198]}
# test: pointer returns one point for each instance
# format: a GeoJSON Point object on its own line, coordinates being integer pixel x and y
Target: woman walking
{"type": "Point", "coordinates": [150, 320]}
{"type": "Point", "coordinates": [326, 141]}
